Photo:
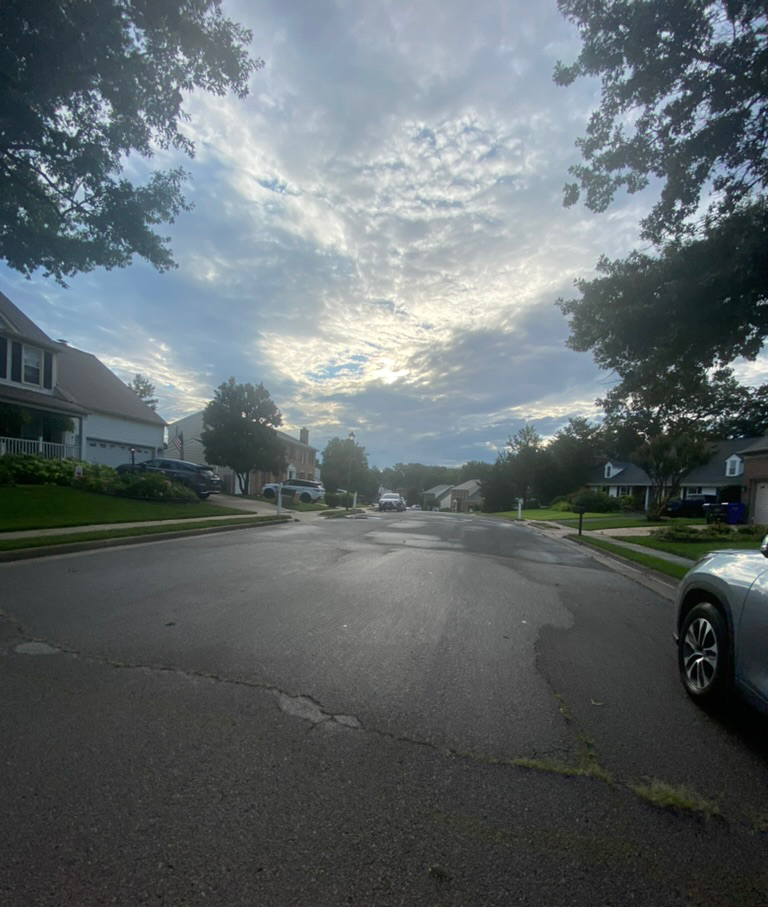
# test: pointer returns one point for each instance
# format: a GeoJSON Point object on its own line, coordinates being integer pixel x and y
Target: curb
{"type": "Point", "coordinates": [664, 586]}
{"type": "Point", "coordinates": [24, 554]}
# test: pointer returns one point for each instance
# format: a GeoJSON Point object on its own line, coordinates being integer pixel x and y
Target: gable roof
{"type": "Point", "coordinates": [629, 474]}
{"type": "Point", "coordinates": [439, 490]}
{"type": "Point", "coordinates": [14, 323]}
{"type": "Point", "coordinates": [471, 485]}
{"type": "Point", "coordinates": [713, 472]}
{"type": "Point", "coordinates": [87, 381]}
{"type": "Point", "coordinates": [83, 383]}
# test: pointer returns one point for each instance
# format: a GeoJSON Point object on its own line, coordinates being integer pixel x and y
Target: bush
{"type": "Point", "coordinates": [153, 487]}
{"type": "Point", "coordinates": [675, 532]}
{"type": "Point", "coordinates": [595, 502]}
{"type": "Point", "coordinates": [561, 505]}
{"type": "Point", "coordinates": [26, 469]}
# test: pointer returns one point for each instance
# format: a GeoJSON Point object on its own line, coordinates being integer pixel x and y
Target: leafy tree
{"type": "Point", "coordinates": [473, 469]}
{"type": "Point", "coordinates": [144, 390]}
{"type": "Point", "coordinates": [666, 458]}
{"type": "Point", "coordinates": [571, 455]}
{"type": "Point", "coordinates": [240, 433]}
{"type": "Point", "coordinates": [84, 84]}
{"type": "Point", "coordinates": [344, 465]}
{"type": "Point", "coordinates": [517, 472]}
{"type": "Point", "coordinates": [684, 104]}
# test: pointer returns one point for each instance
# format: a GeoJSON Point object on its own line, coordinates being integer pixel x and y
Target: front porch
{"type": "Point", "coordinates": [39, 448]}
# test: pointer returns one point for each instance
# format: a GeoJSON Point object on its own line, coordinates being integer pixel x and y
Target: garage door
{"type": "Point", "coordinates": [112, 454]}
{"type": "Point", "coordinates": [761, 504]}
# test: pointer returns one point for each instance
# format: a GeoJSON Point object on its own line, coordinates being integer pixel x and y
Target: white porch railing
{"type": "Point", "coordinates": [38, 448]}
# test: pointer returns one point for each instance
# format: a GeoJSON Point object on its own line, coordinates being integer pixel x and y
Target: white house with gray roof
{"type": "Point", "coordinates": [61, 402]}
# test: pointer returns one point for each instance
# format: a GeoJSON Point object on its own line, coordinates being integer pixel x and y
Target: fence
{"type": "Point", "coordinates": [38, 448]}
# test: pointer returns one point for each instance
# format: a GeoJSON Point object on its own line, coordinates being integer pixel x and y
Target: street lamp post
{"type": "Point", "coordinates": [351, 439]}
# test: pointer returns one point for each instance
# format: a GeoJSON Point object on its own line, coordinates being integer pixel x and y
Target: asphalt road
{"type": "Point", "coordinates": [405, 709]}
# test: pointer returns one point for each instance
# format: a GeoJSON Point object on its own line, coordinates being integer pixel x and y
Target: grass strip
{"type": "Point", "coordinates": [44, 541]}
{"type": "Point", "coordinates": [659, 565]}
{"type": "Point", "coordinates": [56, 507]}
{"type": "Point", "coordinates": [665, 796]}
{"type": "Point", "coordinates": [691, 550]}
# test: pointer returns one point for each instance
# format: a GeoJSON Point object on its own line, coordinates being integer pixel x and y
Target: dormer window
{"type": "Point", "coordinates": [33, 360]}
{"type": "Point", "coordinates": [608, 470]}
{"type": "Point", "coordinates": [734, 466]}
{"type": "Point", "coordinates": [23, 364]}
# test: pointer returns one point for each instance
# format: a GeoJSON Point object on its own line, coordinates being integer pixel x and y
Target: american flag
{"type": "Point", "coordinates": [178, 443]}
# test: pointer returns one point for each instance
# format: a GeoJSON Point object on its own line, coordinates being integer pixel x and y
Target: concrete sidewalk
{"type": "Point", "coordinates": [613, 536]}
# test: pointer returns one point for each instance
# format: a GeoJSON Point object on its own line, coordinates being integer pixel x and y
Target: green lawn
{"type": "Point", "coordinates": [677, 571]}
{"type": "Point", "coordinates": [53, 506]}
{"type": "Point", "coordinates": [594, 520]}
{"type": "Point", "coordinates": [691, 550]}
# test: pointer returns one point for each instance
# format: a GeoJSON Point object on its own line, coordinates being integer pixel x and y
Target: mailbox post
{"type": "Point", "coordinates": [580, 511]}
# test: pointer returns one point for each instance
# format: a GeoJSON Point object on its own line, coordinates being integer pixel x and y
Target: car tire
{"type": "Point", "coordinates": [703, 655]}
{"type": "Point", "coordinates": [203, 495]}
{"type": "Point", "coordinates": [306, 498]}
{"type": "Point", "coordinates": [269, 493]}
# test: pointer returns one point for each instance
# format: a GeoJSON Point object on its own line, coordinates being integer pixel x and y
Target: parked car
{"type": "Point", "coordinates": [722, 627]}
{"type": "Point", "coordinates": [308, 492]}
{"type": "Point", "coordinates": [201, 479]}
{"type": "Point", "coordinates": [691, 506]}
{"type": "Point", "coordinates": [391, 501]}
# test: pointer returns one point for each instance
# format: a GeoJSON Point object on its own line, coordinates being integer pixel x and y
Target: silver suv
{"type": "Point", "coordinates": [308, 492]}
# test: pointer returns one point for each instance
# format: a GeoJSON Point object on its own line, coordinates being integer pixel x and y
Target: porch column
{"type": "Point", "coordinates": [82, 437]}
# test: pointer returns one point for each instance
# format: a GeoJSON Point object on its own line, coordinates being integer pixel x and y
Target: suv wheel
{"type": "Point", "coordinates": [703, 655]}
{"type": "Point", "coordinates": [269, 492]}
{"type": "Point", "coordinates": [305, 498]}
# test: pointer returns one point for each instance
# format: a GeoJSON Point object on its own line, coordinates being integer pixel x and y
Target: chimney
{"type": "Point", "coordinates": [304, 436]}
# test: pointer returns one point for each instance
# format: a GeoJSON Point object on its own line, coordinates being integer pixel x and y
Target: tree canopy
{"type": "Point", "coordinates": [144, 390]}
{"type": "Point", "coordinates": [344, 464]}
{"type": "Point", "coordinates": [683, 106]}
{"type": "Point", "coordinates": [83, 85]}
{"type": "Point", "coordinates": [239, 431]}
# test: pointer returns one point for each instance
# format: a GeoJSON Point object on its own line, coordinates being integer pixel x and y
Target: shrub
{"type": "Point", "coordinates": [153, 487]}
{"type": "Point", "coordinates": [595, 502]}
{"type": "Point", "coordinates": [561, 505]}
{"type": "Point", "coordinates": [26, 469]}
{"type": "Point", "coordinates": [675, 532]}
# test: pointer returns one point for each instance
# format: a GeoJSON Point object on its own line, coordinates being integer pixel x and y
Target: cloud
{"type": "Point", "coordinates": [378, 233]}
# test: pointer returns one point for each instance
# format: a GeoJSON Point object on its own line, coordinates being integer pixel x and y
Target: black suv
{"type": "Point", "coordinates": [201, 479]}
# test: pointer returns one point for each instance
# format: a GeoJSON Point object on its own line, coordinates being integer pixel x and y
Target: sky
{"type": "Point", "coordinates": [378, 234]}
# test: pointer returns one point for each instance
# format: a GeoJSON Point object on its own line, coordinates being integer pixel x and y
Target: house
{"type": "Point", "coordinates": [59, 402]}
{"type": "Point", "coordinates": [619, 478]}
{"type": "Point", "coordinates": [754, 480]}
{"type": "Point", "coordinates": [721, 475]}
{"type": "Point", "coordinates": [458, 498]}
{"type": "Point", "coordinates": [184, 444]}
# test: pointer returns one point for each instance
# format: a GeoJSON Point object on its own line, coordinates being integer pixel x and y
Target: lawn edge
{"type": "Point", "coordinates": [55, 546]}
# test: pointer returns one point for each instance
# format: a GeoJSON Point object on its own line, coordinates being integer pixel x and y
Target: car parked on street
{"type": "Point", "coordinates": [722, 627]}
{"type": "Point", "coordinates": [307, 491]}
{"type": "Point", "coordinates": [692, 506]}
{"type": "Point", "coordinates": [201, 479]}
{"type": "Point", "coordinates": [391, 501]}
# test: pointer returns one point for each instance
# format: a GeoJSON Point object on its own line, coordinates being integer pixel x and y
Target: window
{"type": "Point", "coordinates": [32, 365]}
{"type": "Point", "coordinates": [608, 471]}
{"type": "Point", "coordinates": [733, 466]}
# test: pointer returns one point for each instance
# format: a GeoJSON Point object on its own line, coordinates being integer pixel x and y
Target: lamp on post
{"type": "Point", "coordinates": [351, 439]}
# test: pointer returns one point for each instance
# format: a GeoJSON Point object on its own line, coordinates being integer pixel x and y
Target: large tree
{"type": "Point", "coordinates": [344, 465]}
{"type": "Point", "coordinates": [84, 84]}
{"type": "Point", "coordinates": [684, 106]}
{"type": "Point", "coordinates": [666, 459]}
{"type": "Point", "coordinates": [239, 431]}
{"type": "Point", "coordinates": [144, 390]}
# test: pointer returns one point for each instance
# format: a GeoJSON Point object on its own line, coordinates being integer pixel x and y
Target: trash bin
{"type": "Point", "coordinates": [736, 513]}
{"type": "Point", "coordinates": [715, 513]}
